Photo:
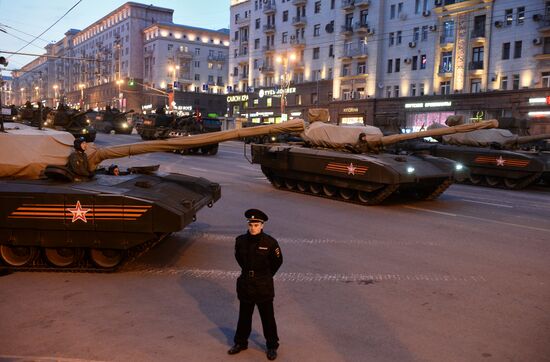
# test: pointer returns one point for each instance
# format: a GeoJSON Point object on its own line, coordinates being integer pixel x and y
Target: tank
{"type": "Point", "coordinates": [494, 157]}
{"type": "Point", "coordinates": [52, 218]}
{"type": "Point", "coordinates": [332, 163]}
{"type": "Point", "coordinates": [72, 121]}
{"type": "Point", "coordinates": [113, 120]}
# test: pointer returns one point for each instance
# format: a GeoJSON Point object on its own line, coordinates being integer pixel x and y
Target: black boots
{"type": "Point", "coordinates": [236, 349]}
{"type": "Point", "coordinates": [271, 354]}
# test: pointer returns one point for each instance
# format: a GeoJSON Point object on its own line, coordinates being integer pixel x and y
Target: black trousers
{"type": "Point", "coordinates": [244, 326]}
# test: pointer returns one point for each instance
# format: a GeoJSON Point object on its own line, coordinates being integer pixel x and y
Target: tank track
{"type": "Point", "coordinates": [377, 198]}
{"type": "Point", "coordinates": [439, 190]}
{"type": "Point", "coordinates": [520, 185]}
{"type": "Point", "coordinates": [85, 265]}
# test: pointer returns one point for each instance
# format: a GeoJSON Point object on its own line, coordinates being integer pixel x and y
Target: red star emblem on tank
{"type": "Point", "coordinates": [351, 169]}
{"type": "Point", "coordinates": [79, 213]}
{"type": "Point", "coordinates": [500, 161]}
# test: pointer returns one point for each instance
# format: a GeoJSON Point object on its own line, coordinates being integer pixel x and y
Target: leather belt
{"type": "Point", "coordinates": [255, 273]}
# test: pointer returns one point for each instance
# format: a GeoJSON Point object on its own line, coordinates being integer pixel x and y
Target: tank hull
{"type": "Point", "coordinates": [363, 178]}
{"type": "Point", "coordinates": [495, 168]}
{"type": "Point", "coordinates": [118, 214]}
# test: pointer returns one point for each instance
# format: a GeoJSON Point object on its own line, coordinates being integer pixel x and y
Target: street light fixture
{"type": "Point", "coordinates": [119, 83]}
{"type": "Point", "coordinates": [285, 60]}
{"type": "Point", "coordinates": [55, 87]}
{"type": "Point", "coordinates": [81, 86]}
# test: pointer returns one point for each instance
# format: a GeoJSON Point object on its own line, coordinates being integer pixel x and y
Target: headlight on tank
{"type": "Point", "coordinates": [273, 138]}
{"type": "Point", "coordinates": [125, 125]}
{"type": "Point", "coordinates": [459, 167]}
{"type": "Point", "coordinates": [410, 169]}
{"type": "Point", "coordinates": [84, 130]}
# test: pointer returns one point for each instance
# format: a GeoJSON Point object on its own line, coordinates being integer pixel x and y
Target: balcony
{"type": "Point", "coordinates": [182, 53]}
{"type": "Point", "coordinates": [361, 27]}
{"type": "Point", "coordinates": [445, 70]}
{"type": "Point", "coordinates": [347, 30]}
{"type": "Point", "coordinates": [244, 76]}
{"type": "Point", "coordinates": [544, 22]}
{"type": "Point", "coordinates": [478, 36]}
{"type": "Point", "coordinates": [267, 69]}
{"type": "Point", "coordinates": [477, 65]}
{"type": "Point", "coordinates": [355, 52]}
{"type": "Point", "coordinates": [348, 5]}
{"type": "Point", "coordinates": [362, 4]}
{"type": "Point", "coordinates": [267, 49]}
{"type": "Point", "coordinates": [297, 43]}
{"type": "Point", "coordinates": [269, 28]}
{"type": "Point", "coordinates": [299, 2]}
{"type": "Point", "coordinates": [269, 8]}
{"type": "Point", "coordinates": [446, 39]}
{"type": "Point", "coordinates": [242, 21]}
{"type": "Point", "coordinates": [299, 21]}
{"type": "Point", "coordinates": [543, 56]}
{"type": "Point", "coordinates": [216, 58]}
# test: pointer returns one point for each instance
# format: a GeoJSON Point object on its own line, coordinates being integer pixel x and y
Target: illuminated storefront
{"type": "Point", "coordinates": [420, 115]}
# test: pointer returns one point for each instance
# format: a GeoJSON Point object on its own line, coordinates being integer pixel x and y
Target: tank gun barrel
{"type": "Point", "coordinates": [97, 155]}
{"type": "Point", "coordinates": [124, 113]}
{"type": "Point", "coordinates": [78, 114]}
{"type": "Point", "coordinates": [528, 139]}
{"type": "Point", "coordinates": [388, 140]}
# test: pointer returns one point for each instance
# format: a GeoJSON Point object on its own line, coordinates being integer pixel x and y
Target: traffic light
{"type": "Point", "coordinates": [131, 82]}
{"type": "Point", "coordinates": [3, 61]}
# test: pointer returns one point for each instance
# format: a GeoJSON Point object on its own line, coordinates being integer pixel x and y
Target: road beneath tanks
{"type": "Point", "coordinates": [462, 278]}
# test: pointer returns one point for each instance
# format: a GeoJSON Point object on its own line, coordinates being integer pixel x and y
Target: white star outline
{"type": "Point", "coordinates": [500, 161]}
{"type": "Point", "coordinates": [351, 169]}
{"type": "Point", "coordinates": [79, 213]}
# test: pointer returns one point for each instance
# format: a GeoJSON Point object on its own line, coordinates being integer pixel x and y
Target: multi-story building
{"type": "Point", "coordinates": [377, 61]}
{"type": "Point", "coordinates": [130, 58]}
{"type": "Point", "coordinates": [6, 90]}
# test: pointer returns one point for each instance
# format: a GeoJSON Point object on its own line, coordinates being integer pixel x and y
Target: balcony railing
{"type": "Point", "coordinates": [269, 28]}
{"type": "Point", "coordinates": [216, 58]}
{"type": "Point", "coordinates": [361, 26]}
{"type": "Point", "coordinates": [243, 20]}
{"type": "Point", "coordinates": [362, 3]}
{"type": "Point", "coordinates": [299, 21]}
{"type": "Point", "coordinates": [445, 39]}
{"type": "Point", "coordinates": [355, 51]}
{"type": "Point", "coordinates": [478, 33]}
{"type": "Point", "coordinates": [297, 42]}
{"type": "Point", "coordinates": [475, 65]}
{"type": "Point", "coordinates": [348, 4]}
{"type": "Point", "coordinates": [445, 69]}
{"type": "Point", "coordinates": [269, 7]}
{"type": "Point", "coordinates": [346, 30]}
{"type": "Point", "coordinates": [299, 2]}
{"type": "Point", "coordinates": [268, 48]}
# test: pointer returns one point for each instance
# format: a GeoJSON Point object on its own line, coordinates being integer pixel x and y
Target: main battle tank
{"type": "Point", "coordinates": [332, 163]}
{"type": "Point", "coordinates": [72, 121]}
{"type": "Point", "coordinates": [494, 157]}
{"type": "Point", "coordinates": [52, 218]}
{"type": "Point", "coordinates": [113, 120]}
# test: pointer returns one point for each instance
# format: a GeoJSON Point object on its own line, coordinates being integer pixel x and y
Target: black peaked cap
{"type": "Point", "coordinates": [255, 215]}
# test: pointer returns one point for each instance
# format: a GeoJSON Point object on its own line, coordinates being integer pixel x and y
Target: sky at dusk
{"type": "Point", "coordinates": [22, 20]}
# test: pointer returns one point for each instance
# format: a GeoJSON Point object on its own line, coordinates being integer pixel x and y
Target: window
{"type": "Point", "coordinates": [269, 102]}
{"type": "Point", "coordinates": [258, 23]}
{"type": "Point", "coordinates": [416, 34]}
{"type": "Point", "coordinates": [396, 91]}
{"type": "Point", "coordinates": [317, 7]}
{"type": "Point", "coordinates": [332, 4]}
{"type": "Point", "coordinates": [505, 51]}
{"type": "Point", "coordinates": [331, 50]}
{"type": "Point", "coordinates": [504, 83]}
{"type": "Point", "coordinates": [392, 16]}
{"type": "Point", "coordinates": [345, 70]}
{"type": "Point", "coordinates": [424, 32]}
{"type": "Point", "coordinates": [475, 85]}
{"type": "Point", "coordinates": [449, 30]}
{"type": "Point", "coordinates": [417, 4]}
{"type": "Point", "coordinates": [545, 79]}
{"type": "Point", "coordinates": [363, 17]}
{"type": "Point", "coordinates": [197, 51]}
{"type": "Point", "coordinates": [477, 58]}
{"type": "Point", "coordinates": [399, 8]}
{"type": "Point", "coordinates": [316, 53]}
{"type": "Point", "coordinates": [284, 37]}
{"type": "Point", "coordinates": [414, 65]}
{"type": "Point", "coordinates": [197, 77]}
{"type": "Point", "coordinates": [398, 37]}
{"type": "Point", "coordinates": [397, 65]}
{"type": "Point", "coordinates": [421, 89]}
{"type": "Point", "coordinates": [446, 62]}
{"type": "Point", "coordinates": [298, 99]}
{"type": "Point", "coordinates": [413, 90]}
{"type": "Point", "coordinates": [256, 43]}
{"type": "Point", "coordinates": [314, 98]}
{"type": "Point", "coordinates": [317, 30]}
{"type": "Point", "coordinates": [392, 38]}
{"type": "Point", "coordinates": [390, 65]}
{"type": "Point", "coordinates": [388, 91]}
{"type": "Point", "coordinates": [210, 65]}
{"type": "Point", "coordinates": [197, 63]}
{"type": "Point", "coordinates": [445, 87]}
{"type": "Point", "coordinates": [515, 82]}
{"type": "Point", "coordinates": [255, 63]}
{"type": "Point", "coordinates": [509, 16]}
{"type": "Point", "coordinates": [423, 61]}
{"type": "Point", "coordinates": [285, 15]}
{"type": "Point", "coordinates": [361, 68]}
{"type": "Point", "coordinates": [517, 49]}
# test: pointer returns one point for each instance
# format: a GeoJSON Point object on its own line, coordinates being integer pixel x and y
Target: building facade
{"type": "Point", "coordinates": [130, 58]}
{"type": "Point", "coordinates": [377, 61]}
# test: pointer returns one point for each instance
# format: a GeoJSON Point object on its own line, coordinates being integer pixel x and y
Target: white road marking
{"type": "Point", "coordinates": [488, 203]}
{"type": "Point", "coordinates": [428, 210]}
{"type": "Point", "coordinates": [308, 277]}
{"type": "Point", "coordinates": [212, 171]}
{"type": "Point", "coordinates": [480, 219]}
{"type": "Point", "coordinates": [43, 359]}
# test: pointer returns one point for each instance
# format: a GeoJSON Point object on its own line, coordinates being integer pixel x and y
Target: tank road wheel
{"type": "Point", "coordinates": [106, 258]}
{"type": "Point", "coordinates": [492, 181]}
{"type": "Point", "coordinates": [346, 194]}
{"type": "Point", "coordinates": [302, 186]}
{"type": "Point", "coordinates": [475, 179]}
{"type": "Point", "coordinates": [511, 183]}
{"type": "Point", "coordinates": [18, 255]}
{"type": "Point", "coordinates": [315, 188]}
{"type": "Point", "coordinates": [63, 257]}
{"type": "Point", "coordinates": [329, 190]}
{"type": "Point", "coordinates": [277, 182]}
{"type": "Point", "coordinates": [290, 184]}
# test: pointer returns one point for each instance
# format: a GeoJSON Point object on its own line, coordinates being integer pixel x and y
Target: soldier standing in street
{"type": "Point", "coordinates": [259, 257]}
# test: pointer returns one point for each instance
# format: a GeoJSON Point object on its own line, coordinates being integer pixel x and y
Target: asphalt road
{"type": "Point", "coordinates": [462, 278]}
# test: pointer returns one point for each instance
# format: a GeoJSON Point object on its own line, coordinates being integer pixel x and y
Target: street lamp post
{"type": "Point", "coordinates": [119, 83]}
{"type": "Point", "coordinates": [55, 87]}
{"type": "Point", "coordinates": [22, 95]}
{"type": "Point", "coordinates": [285, 78]}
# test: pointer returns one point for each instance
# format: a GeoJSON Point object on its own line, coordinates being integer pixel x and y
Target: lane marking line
{"type": "Point", "coordinates": [428, 210]}
{"type": "Point", "coordinates": [488, 203]}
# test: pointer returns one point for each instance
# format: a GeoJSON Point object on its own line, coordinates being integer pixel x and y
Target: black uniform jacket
{"type": "Point", "coordinates": [78, 163]}
{"type": "Point", "coordinates": [259, 257]}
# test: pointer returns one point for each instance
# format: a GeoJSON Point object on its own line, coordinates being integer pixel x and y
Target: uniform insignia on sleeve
{"type": "Point", "coordinates": [262, 247]}
{"type": "Point", "coordinates": [278, 252]}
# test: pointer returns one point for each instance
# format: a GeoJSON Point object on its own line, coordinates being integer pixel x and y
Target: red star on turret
{"type": "Point", "coordinates": [79, 213]}
{"type": "Point", "coordinates": [500, 161]}
{"type": "Point", "coordinates": [351, 169]}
